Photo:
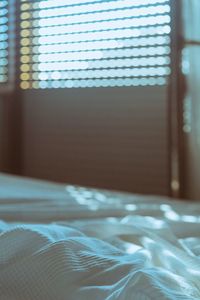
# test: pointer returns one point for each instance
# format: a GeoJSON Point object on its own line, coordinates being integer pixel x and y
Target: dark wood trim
{"type": "Point", "coordinates": [12, 134]}
{"type": "Point", "coordinates": [176, 90]}
{"type": "Point", "coordinates": [11, 98]}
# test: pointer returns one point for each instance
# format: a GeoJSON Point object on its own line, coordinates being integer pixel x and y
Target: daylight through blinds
{"type": "Point", "coordinates": [94, 43]}
{"type": "Point", "coordinates": [4, 44]}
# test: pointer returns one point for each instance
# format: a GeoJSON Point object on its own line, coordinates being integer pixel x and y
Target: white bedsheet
{"type": "Point", "coordinates": [62, 242]}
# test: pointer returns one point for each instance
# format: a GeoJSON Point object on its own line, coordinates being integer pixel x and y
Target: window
{"type": "Point", "coordinates": [94, 43]}
{"type": "Point", "coordinates": [3, 41]}
{"type": "Point", "coordinates": [6, 43]}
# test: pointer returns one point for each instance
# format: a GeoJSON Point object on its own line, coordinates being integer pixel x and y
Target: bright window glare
{"type": "Point", "coordinates": [3, 41]}
{"type": "Point", "coordinates": [100, 12]}
{"type": "Point", "coordinates": [58, 3]}
{"type": "Point", "coordinates": [94, 43]}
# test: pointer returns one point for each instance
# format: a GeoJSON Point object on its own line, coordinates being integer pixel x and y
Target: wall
{"type": "Point", "coordinates": [10, 133]}
{"type": "Point", "coordinates": [113, 138]}
{"type": "Point", "coordinates": [191, 103]}
{"type": "Point", "coordinates": [1, 134]}
{"type": "Point", "coordinates": [5, 138]}
{"type": "Point", "coordinates": [191, 146]}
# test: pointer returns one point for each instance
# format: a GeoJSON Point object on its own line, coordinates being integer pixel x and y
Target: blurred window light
{"type": "Point", "coordinates": [4, 42]}
{"type": "Point", "coordinates": [94, 43]}
{"type": "Point", "coordinates": [7, 29]}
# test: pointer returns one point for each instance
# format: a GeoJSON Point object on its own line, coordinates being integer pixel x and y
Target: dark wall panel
{"type": "Point", "coordinates": [1, 134]}
{"type": "Point", "coordinates": [111, 138]}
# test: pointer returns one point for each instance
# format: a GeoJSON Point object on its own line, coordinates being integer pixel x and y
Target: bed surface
{"type": "Point", "coordinates": [65, 242]}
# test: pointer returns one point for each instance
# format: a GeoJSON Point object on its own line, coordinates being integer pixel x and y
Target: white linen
{"type": "Point", "coordinates": [62, 242]}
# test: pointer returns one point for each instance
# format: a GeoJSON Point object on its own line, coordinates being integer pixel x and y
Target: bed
{"type": "Point", "coordinates": [61, 242]}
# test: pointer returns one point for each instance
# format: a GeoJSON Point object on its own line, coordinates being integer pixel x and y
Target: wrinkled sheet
{"type": "Point", "coordinates": [65, 242]}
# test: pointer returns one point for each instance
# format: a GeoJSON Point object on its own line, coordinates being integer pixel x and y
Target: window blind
{"type": "Point", "coordinates": [94, 43]}
{"type": "Point", "coordinates": [3, 42]}
{"type": "Point", "coordinates": [7, 49]}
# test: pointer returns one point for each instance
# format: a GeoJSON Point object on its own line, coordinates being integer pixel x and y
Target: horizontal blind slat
{"type": "Point", "coordinates": [72, 44]}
